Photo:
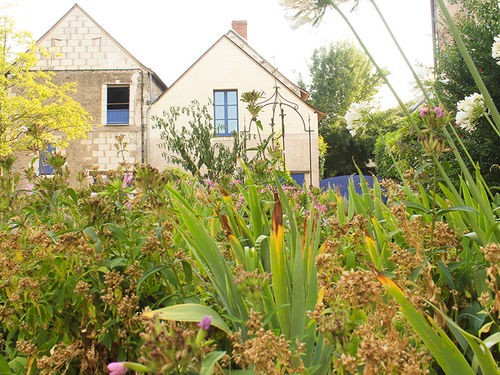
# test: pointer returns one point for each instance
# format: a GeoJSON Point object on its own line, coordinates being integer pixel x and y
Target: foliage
{"type": "Point", "coordinates": [192, 147]}
{"type": "Point", "coordinates": [478, 22]}
{"type": "Point", "coordinates": [288, 276]}
{"type": "Point", "coordinates": [342, 75]}
{"type": "Point", "coordinates": [35, 111]}
{"type": "Point", "coordinates": [77, 266]}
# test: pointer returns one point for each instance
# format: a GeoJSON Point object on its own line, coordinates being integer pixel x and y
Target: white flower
{"type": "Point", "coordinates": [355, 117]}
{"type": "Point", "coordinates": [495, 49]}
{"type": "Point", "coordinates": [469, 110]}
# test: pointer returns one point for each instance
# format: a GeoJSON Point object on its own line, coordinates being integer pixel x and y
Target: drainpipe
{"type": "Point", "coordinates": [142, 118]}
{"type": "Point", "coordinates": [148, 110]}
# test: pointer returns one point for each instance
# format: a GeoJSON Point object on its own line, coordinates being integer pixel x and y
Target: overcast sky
{"type": "Point", "coordinates": [169, 35]}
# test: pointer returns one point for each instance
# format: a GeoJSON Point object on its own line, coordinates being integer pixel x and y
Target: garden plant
{"type": "Point", "coordinates": [169, 273]}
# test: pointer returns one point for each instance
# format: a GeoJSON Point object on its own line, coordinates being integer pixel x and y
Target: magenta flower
{"type": "Point", "coordinates": [116, 368]}
{"type": "Point", "coordinates": [439, 112]}
{"type": "Point", "coordinates": [205, 322]}
{"type": "Point", "coordinates": [423, 111]}
{"type": "Point", "coordinates": [127, 179]}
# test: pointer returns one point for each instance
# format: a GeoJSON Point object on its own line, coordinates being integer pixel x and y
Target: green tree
{"type": "Point", "coordinates": [191, 146]}
{"type": "Point", "coordinates": [34, 111]}
{"type": "Point", "coordinates": [341, 75]}
{"type": "Point", "coordinates": [479, 23]}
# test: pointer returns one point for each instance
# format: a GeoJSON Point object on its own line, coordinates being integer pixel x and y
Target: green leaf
{"type": "Point", "coordinates": [208, 363]}
{"type": "Point", "coordinates": [118, 232]}
{"type": "Point", "coordinates": [148, 274]}
{"type": "Point", "coordinates": [439, 344]}
{"type": "Point", "coordinates": [481, 351]}
{"type": "Point", "coordinates": [190, 312]}
{"type": "Point", "coordinates": [4, 366]}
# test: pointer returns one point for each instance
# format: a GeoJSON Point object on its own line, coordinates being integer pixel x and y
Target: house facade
{"type": "Point", "coordinates": [122, 96]}
{"type": "Point", "coordinates": [112, 85]}
{"type": "Point", "coordinates": [229, 68]}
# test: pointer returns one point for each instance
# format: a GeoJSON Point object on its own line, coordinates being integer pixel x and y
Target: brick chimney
{"type": "Point", "coordinates": [240, 27]}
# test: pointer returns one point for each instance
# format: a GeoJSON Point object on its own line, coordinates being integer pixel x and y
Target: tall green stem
{"type": "Point", "coordinates": [470, 65]}
{"type": "Point", "coordinates": [410, 66]}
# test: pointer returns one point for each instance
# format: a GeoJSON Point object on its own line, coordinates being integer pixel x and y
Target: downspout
{"type": "Point", "coordinates": [148, 110]}
{"type": "Point", "coordinates": [142, 118]}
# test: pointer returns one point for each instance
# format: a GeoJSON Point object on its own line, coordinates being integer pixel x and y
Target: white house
{"type": "Point", "coordinates": [229, 68]}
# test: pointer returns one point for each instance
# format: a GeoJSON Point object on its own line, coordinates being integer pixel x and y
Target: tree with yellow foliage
{"type": "Point", "coordinates": [34, 111]}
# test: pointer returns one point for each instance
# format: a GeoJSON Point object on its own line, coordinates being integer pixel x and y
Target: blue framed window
{"type": "Point", "coordinates": [225, 112]}
{"type": "Point", "coordinates": [117, 106]}
{"type": "Point", "coordinates": [44, 168]}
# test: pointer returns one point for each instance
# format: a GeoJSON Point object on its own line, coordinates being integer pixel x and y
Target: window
{"type": "Point", "coordinates": [225, 112]}
{"type": "Point", "coordinates": [117, 105]}
{"type": "Point", "coordinates": [44, 168]}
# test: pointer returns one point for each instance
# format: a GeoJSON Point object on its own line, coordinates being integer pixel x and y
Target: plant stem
{"type": "Point", "coordinates": [410, 66]}
{"type": "Point", "coordinates": [470, 65]}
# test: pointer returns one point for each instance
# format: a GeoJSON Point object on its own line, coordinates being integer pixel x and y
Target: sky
{"type": "Point", "coordinates": [168, 36]}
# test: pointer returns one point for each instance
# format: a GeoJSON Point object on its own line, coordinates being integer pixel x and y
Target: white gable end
{"type": "Point", "coordinates": [76, 42]}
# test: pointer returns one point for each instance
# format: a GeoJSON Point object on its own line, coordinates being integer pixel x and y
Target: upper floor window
{"type": "Point", "coordinates": [225, 112]}
{"type": "Point", "coordinates": [118, 107]}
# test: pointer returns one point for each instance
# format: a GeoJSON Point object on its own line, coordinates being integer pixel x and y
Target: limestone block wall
{"type": "Point", "coordinates": [97, 150]}
{"type": "Point", "coordinates": [77, 42]}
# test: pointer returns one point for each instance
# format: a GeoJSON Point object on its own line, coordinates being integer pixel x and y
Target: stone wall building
{"type": "Point", "coordinates": [113, 86]}
{"type": "Point", "coordinates": [121, 95]}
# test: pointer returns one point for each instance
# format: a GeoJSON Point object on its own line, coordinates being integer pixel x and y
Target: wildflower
{"type": "Point", "coordinates": [29, 188]}
{"type": "Point", "coordinates": [422, 111]}
{"type": "Point", "coordinates": [495, 49]}
{"type": "Point", "coordinates": [469, 110]}
{"type": "Point", "coordinates": [205, 322]}
{"type": "Point", "coordinates": [127, 179]}
{"type": "Point", "coordinates": [117, 368]}
{"type": "Point", "coordinates": [93, 194]}
{"type": "Point", "coordinates": [24, 129]}
{"type": "Point", "coordinates": [208, 182]}
{"type": "Point", "coordinates": [355, 117]}
{"type": "Point", "coordinates": [439, 112]}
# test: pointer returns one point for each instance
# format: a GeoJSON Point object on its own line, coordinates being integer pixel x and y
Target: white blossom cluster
{"type": "Point", "coordinates": [495, 50]}
{"type": "Point", "coordinates": [469, 110]}
{"type": "Point", "coordinates": [355, 117]}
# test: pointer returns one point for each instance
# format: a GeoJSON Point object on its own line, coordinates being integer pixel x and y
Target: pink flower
{"type": "Point", "coordinates": [205, 322]}
{"type": "Point", "coordinates": [439, 112]}
{"type": "Point", "coordinates": [422, 111]}
{"type": "Point", "coordinates": [117, 368]}
{"type": "Point", "coordinates": [127, 179]}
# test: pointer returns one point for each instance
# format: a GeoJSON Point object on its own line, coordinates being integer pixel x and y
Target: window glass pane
{"type": "Point", "coordinates": [219, 97]}
{"type": "Point", "coordinates": [232, 98]}
{"type": "Point", "coordinates": [219, 112]}
{"type": "Point", "coordinates": [232, 112]}
{"type": "Point", "coordinates": [118, 95]}
{"type": "Point", "coordinates": [220, 127]}
{"type": "Point", "coordinates": [232, 126]}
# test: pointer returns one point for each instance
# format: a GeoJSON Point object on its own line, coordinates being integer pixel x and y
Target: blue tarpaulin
{"type": "Point", "coordinates": [341, 183]}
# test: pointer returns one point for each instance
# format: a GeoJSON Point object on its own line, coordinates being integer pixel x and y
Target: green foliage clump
{"type": "Point", "coordinates": [342, 75]}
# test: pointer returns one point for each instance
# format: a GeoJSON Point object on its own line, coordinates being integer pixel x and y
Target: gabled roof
{"type": "Point", "coordinates": [75, 7]}
{"type": "Point", "coordinates": [241, 44]}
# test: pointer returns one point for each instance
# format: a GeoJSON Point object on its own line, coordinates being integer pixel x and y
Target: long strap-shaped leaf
{"type": "Point", "coordinates": [278, 267]}
{"type": "Point", "coordinates": [209, 255]}
{"type": "Point", "coordinates": [439, 344]}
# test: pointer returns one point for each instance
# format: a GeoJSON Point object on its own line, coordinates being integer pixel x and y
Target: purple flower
{"type": "Point", "coordinates": [439, 112]}
{"type": "Point", "coordinates": [422, 111]}
{"type": "Point", "coordinates": [205, 322]}
{"type": "Point", "coordinates": [127, 179]}
{"type": "Point", "coordinates": [117, 368]}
